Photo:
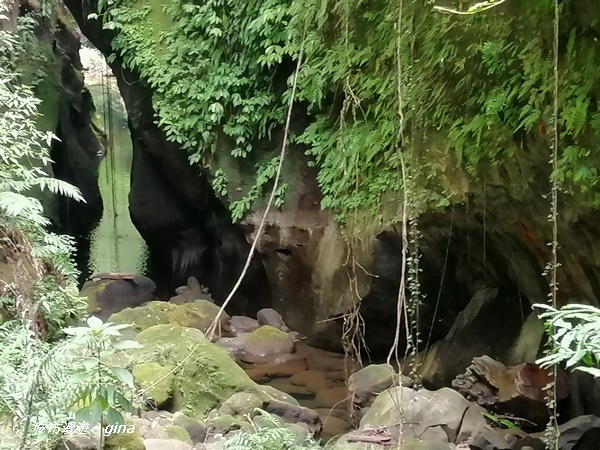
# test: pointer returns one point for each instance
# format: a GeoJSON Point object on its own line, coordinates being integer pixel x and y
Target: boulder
{"type": "Point", "coordinates": [295, 414]}
{"type": "Point", "coordinates": [194, 428]}
{"type": "Point", "coordinates": [424, 410]}
{"type": "Point", "coordinates": [109, 296]}
{"type": "Point", "coordinates": [198, 314]}
{"type": "Point", "coordinates": [240, 404]}
{"type": "Point", "coordinates": [207, 375]}
{"type": "Point", "coordinates": [233, 344]}
{"type": "Point", "coordinates": [267, 342]}
{"type": "Point", "coordinates": [241, 325]}
{"type": "Point", "coordinates": [269, 316]}
{"type": "Point", "coordinates": [155, 379]}
{"type": "Point", "coordinates": [370, 381]}
{"type": "Point", "coordinates": [516, 390]}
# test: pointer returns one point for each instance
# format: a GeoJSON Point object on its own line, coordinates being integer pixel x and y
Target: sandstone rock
{"type": "Point", "coordinates": [156, 378]}
{"type": "Point", "coordinates": [165, 444]}
{"type": "Point", "coordinates": [198, 314]}
{"type": "Point", "coordinates": [268, 316]}
{"type": "Point", "coordinates": [268, 341]}
{"type": "Point", "coordinates": [241, 325]}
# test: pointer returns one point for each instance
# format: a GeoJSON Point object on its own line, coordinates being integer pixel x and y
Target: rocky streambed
{"type": "Point", "coordinates": [202, 393]}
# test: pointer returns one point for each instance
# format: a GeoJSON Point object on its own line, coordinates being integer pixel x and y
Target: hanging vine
{"type": "Point", "coordinates": [552, 432]}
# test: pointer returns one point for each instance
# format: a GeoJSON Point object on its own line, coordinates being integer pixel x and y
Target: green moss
{"type": "Point", "coordinates": [121, 441]}
{"type": "Point", "coordinates": [91, 290]}
{"type": "Point", "coordinates": [204, 380]}
{"type": "Point", "coordinates": [150, 376]}
{"type": "Point", "coordinates": [198, 314]}
{"type": "Point", "coordinates": [179, 433]}
{"type": "Point", "coordinates": [266, 333]}
{"type": "Point", "coordinates": [225, 423]}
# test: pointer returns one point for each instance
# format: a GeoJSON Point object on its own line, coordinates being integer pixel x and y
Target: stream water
{"type": "Point", "coordinates": [116, 245]}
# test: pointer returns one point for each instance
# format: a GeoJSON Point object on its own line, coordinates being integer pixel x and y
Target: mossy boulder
{"type": "Point", "coordinates": [156, 378]}
{"type": "Point", "coordinates": [179, 433]}
{"type": "Point", "coordinates": [225, 423]}
{"type": "Point", "coordinates": [268, 341]}
{"type": "Point", "coordinates": [198, 314]}
{"type": "Point", "coordinates": [194, 427]}
{"type": "Point", "coordinates": [130, 441]}
{"type": "Point", "coordinates": [240, 404]}
{"type": "Point", "coordinates": [206, 374]}
{"type": "Point", "coordinates": [106, 297]}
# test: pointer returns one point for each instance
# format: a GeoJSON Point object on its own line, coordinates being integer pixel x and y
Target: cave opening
{"type": "Point", "coordinates": [148, 212]}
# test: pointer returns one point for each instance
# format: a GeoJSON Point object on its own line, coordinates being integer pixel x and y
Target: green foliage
{"type": "Point", "coordinates": [41, 383]}
{"type": "Point", "coordinates": [103, 388]}
{"type": "Point", "coordinates": [24, 152]}
{"type": "Point", "coordinates": [499, 421]}
{"type": "Point", "coordinates": [38, 293]}
{"type": "Point", "coordinates": [270, 434]}
{"type": "Point", "coordinates": [481, 82]}
{"type": "Point", "coordinates": [575, 334]}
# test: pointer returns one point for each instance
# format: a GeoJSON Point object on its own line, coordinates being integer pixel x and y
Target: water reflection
{"type": "Point", "coordinates": [116, 245]}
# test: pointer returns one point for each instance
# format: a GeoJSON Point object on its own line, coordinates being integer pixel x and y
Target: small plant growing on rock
{"type": "Point", "coordinates": [103, 387]}
{"type": "Point", "coordinates": [270, 434]}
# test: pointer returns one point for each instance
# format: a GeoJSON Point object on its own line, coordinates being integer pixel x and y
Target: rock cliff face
{"type": "Point", "coordinates": [482, 257]}
{"type": "Point", "coordinates": [187, 229]}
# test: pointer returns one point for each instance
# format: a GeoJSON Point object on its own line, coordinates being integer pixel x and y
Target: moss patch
{"type": "Point", "coordinates": [179, 433]}
{"type": "Point", "coordinates": [129, 441]}
{"type": "Point", "coordinates": [266, 333]}
{"type": "Point", "coordinates": [198, 314]}
{"type": "Point", "coordinates": [156, 378]}
{"type": "Point", "coordinates": [203, 380]}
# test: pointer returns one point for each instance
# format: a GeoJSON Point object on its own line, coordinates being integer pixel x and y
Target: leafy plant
{"type": "Point", "coordinates": [575, 332]}
{"type": "Point", "coordinates": [270, 433]}
{"type": "Point", "coordinates": [499, 421]}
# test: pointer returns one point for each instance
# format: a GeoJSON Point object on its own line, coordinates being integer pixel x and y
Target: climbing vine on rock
{"type": "Point", "coordinates": [478, 87]}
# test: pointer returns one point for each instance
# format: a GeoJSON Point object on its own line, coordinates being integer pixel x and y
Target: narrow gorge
{"type": "Point", "coordinates": [389, 300]}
